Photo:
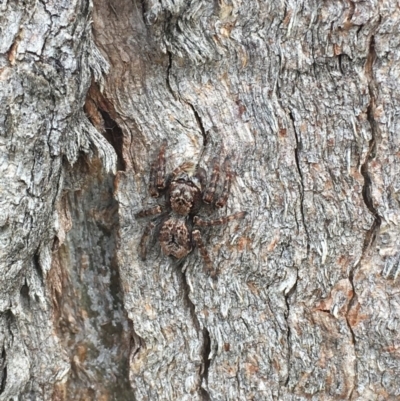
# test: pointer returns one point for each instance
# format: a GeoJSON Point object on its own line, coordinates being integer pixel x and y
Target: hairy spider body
{"type": "Point", "coordinates": [185, 195]}
{"type": "Point", "coordinates": [184, 198]}
{"type": "Point", "coordinates": [175, 237]}
{"type": "Point", "coordinates": [186, 192]}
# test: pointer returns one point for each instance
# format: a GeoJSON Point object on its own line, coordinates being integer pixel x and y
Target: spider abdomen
{"type": "Point", "coordinates": [175, 237]}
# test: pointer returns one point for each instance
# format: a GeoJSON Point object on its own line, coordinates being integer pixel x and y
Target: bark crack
{"type": "Point", "coordinates": [293, 289]}
{"type": "Point", "coordinates": [206, 338]}
{"type": "Point", "coordinates": [297, 158]}
{"type": "Point", "coordinates": [353, 337]}
{"type": "Point", "coordinates": [237, 376]}
{"type": "Point", "coordinates": [366, 192]}
{"type": "Point", "coordinates": [372, 233]}
{"type": "Point", "coordinates": [114, 136]}
{"type": "Point", "coordinates": [49, 29]}
{"type": "Point", "coordinates": [3, 378]}
{"type": "Point", "coordinates": [101, 113]}
{"type": "Point", "coordinates": [287, 296]}
{"type": "Point", "coordinates": [37, 266]}
{"type": "Point", "coordinates": [206, 364]}
{"type": "Point", "coordinates": [200, 124]}
{"type": "Point", "coordinates": [168, 80]}
{"type": "Point", "coordinates": [195, 113]}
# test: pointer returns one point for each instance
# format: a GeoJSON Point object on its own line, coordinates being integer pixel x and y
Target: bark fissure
{"type": "Point", "coordinates": [353, 337]}
{"type": "Point", "coordinates": [366, 192]}
{"type": "Point", "coordinates": [189, 303]}
{"type": "Point", "coordinates": [297, 158]}
{"type": "Point", "coordinates": [195, 112]}
{"type": "Point", "coordinates": [201, 332]}
{"type": "Point", "coordinates": [372, 233]}
{"type": "Point", "coordinates": [206, 364]}
{"type": "Point", "coordinates": [37, 266]}
{"type": "Point", "coordinates": [200, 124]}
{"type": "Point", "coordinates": [46, 37]}
{"type": "Point", "coordinates": [237, 375]}
{"type": "Point", "coordinates": [288, 334]}
{"type": "Point", "coordinates": [168, 79]}
{"type": "Point", "coordinates": [114, 136]}
{"type": "Point", "coordinates": [293, 289]}
{"type": "Point", "coordinates": [101, 113]}
{"type": "Point", "coordinates": [3, 379]}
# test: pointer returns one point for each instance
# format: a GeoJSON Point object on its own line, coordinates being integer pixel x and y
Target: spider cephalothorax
{"type": "Point", "coordinates": [186, 192]}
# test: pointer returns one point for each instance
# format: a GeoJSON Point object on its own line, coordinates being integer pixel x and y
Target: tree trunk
{"type": "Point", "coordinates": [302, 97]}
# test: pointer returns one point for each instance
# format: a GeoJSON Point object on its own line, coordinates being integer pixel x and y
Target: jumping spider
{"type": "Point", "coordinates": [185, 192]}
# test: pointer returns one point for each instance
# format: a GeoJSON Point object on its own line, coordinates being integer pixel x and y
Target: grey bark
{"type": "Point", "coordinates": [303, 96]}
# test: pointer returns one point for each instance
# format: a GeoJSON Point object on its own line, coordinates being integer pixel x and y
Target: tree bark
{"type": "Point", "coordinates": [302, 96]}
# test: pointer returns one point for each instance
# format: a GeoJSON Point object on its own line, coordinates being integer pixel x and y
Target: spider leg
{"type": "Point", "coordinates": [144, 241]}
{"type": "Point", "coordinates": [203, 252]}
{"type": "Point", "coordinates": [161, 166]}
{"type": "Point", "coordinates": [201, 176]}
{"type": "Point", "coordinates": [149, 212]}
{"type": "Point", "coordinates": [157, 172]}
{"type": "Point", "coordinates": [198, 221]}
{"type": "Point", "coordinates": [186, 167]}
{"type": "Point", "coordinates": [152, 184]}
{"type": "Point", "coordinates": [209, 193]}
{"type": "Point", "coordinates": [221, 202]}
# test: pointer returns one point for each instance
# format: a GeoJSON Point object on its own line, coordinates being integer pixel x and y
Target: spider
{"type": "Point", "coordinates": [185, 192]}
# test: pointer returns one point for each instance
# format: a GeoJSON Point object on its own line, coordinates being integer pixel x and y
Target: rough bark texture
{"type": "Point", "coordinates": [304, 97]}
{"type": "Point", "coordinates": [47, 63]}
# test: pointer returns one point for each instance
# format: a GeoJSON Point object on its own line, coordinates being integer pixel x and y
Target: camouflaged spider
{"type": "Point", "coordinates": [185, 192]}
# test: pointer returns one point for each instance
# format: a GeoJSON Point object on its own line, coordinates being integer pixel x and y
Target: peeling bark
{"type": "Point", "coordinates": [303, 97]}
